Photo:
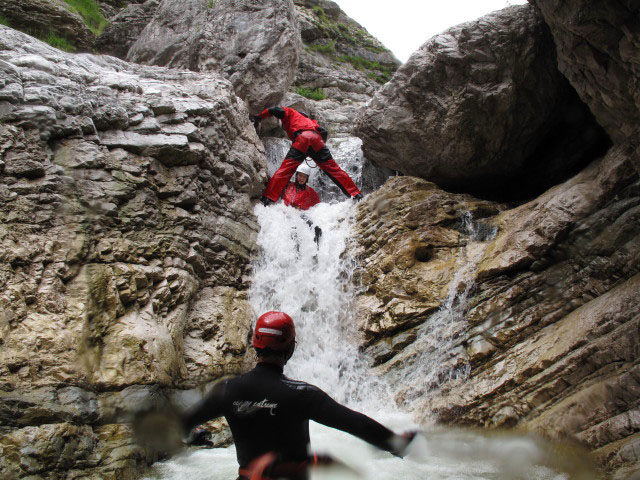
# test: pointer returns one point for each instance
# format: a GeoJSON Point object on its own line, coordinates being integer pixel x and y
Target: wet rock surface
{"type": "Point", "coordinates": [482, 108]}
{"type": "Point", "coordinates": [126, 237]}
{"type": "Point", "coordinates": [254, 44]}
{"type": "Point", "coordinates": [535, 328]}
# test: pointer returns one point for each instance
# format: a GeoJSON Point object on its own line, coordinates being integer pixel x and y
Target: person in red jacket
{"type": "Point", "coordinates": [298, 194]}
{"type": "Point", "coordinates": [308, 141]}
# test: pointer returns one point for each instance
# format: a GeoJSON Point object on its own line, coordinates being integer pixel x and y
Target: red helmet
{"type": "Point", "coordinates": [274, 330]}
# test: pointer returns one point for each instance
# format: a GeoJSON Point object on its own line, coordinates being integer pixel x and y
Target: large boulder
{"type": "Point", "coordinates": [253, 43]}
{"type": "Point", "coordinates": [126, 235]}
{"type": "Point", "coordinates": [44, 17]}
{"type": "Point", "coordinates": [598, 46]}
{"type": "Point", "coordinates": [482, 108]}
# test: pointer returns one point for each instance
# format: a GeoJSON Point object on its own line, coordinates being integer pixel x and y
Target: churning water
{"type": "Point", "coordinates": [312, 282]}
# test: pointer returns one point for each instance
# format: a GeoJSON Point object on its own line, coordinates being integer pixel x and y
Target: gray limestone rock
{"type": "Point", "coordinates": [126, 233]}
{"type": "Point", "coordinates": [125, 27]}
{"type": "Point", "coordinates": [482, 108]}
{"type": "Point", "coordinates": [598, 46]}
{"type": "Point", "coordinates": [254, 44]}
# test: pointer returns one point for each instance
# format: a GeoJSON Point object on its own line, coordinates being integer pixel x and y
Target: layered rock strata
{"type": "Point", "coordinates": [522, 316]}
{"type": "Point", "coordinates": [125, 243]}
{"type": "Point", "coordinates": [482, 108]}
{"type": "Point", "coordinates": [254, 44]}
{"type": "Point", "coordinates": [535, 328]}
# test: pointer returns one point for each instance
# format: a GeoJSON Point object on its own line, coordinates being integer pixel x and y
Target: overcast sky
{"type": "Point", "coordinates": [403, 25]}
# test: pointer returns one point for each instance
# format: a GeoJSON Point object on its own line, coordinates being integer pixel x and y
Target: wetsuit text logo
{"type": "Point", "coordinates": [247, 407]}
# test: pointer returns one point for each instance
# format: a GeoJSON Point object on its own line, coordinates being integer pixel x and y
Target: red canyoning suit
{"type": "Point", "coordinates": [300, 196]}
{"type": "Point", "coordinates": [307, 141]}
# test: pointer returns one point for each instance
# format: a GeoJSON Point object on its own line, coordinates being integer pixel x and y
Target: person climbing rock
{"type": "Point", "coordinates": [269, 413]}
{"type": "Point", "coordinates": [308, 141]}
{"type": "Point", "coordinates": [297, 193]}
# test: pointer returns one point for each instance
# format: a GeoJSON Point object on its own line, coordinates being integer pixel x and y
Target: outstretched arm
{"type": "Point", "coordinates": [208, 408]}
{"type": "Point", "coordinates": [277, 112]}
{"type": "Point", "coordinates": [330, 413]}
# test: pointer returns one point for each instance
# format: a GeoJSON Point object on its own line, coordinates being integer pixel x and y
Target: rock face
{"type": "Point", "coordinates": [341, 66]}
{"type": "Point", "coordinates": [125, 27]}
{"type": "Point", "coordinates": [524, 315]}
{"type": "Point", "coordinates": [253, 43]}
{"type": "Point", "coordinates": [125, 240]}
{"type": "Point", "coordinates": [340, 57]}
{"type": "Point", "coordinates": [535, 328]}
{"type": "Point", "coordinates": [482, 108]}
{"type": "Point", "coordinates": [42, 17]}
{"type": "Point", "coordinates": [597, 45]}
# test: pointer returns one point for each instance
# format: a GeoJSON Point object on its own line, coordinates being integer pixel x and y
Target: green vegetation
{"type": "Point", "coordinates": [212, 4]}
{"type": "Point", "coordinates": [319, 11]}
{"type": "Point", "coordinates": [378, 72]}
{"type": "Point", "coordinates": [381, 78]}
{"type": "Point", "coordinates": [90, 13]}
{"type": "Point", "coordinates": [59, 42]}
{"type": "Point", "coordinates": [349, 34]}
{"type": "Point", "coordinates": [4, 21]}
{"type": "Point", "coordinates": [313, 94]}
{"type": "Point", "coordinates": [329, 48]}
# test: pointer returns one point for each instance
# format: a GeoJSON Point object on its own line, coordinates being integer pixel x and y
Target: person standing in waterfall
{"type": "Point", "coordinates": [300, 195]}
{"type": "Point", "coordinates": [269, 413]}
{"type": "Point", "coordinates": [308, 141]}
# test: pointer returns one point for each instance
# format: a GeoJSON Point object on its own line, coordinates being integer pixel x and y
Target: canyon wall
{"type": "Point", "coordinates": [521, 314]}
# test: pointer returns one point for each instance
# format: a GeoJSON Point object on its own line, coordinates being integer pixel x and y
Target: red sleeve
{"type": "Point", "coordinates": [314, 199]}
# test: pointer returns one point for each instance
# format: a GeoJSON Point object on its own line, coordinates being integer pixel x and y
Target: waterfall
{"type": "Point", "coordinates": [312, 282]}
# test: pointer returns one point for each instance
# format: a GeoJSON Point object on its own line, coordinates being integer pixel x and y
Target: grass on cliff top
{"type": "Point", "coordinates": [381, 73]}
{"type": "Point", "coordinates": [347, 33]}
{"type": "Point", "coordinates": [311, 93]}
{"type": "Point", "coordinates": [90, 13]}
{"type": "Point", "coordinates": [4, 21]}
{"type": "Point", "coordinates": [351, 35]}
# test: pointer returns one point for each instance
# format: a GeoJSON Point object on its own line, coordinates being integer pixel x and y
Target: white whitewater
{"type": "Point", "coordinates": [312, 282]}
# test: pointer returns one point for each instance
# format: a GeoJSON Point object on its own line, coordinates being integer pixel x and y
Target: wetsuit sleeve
{"type": "Point", "coordinates": [330, 413]}
{"type": "Point", "coordinates": [277, 112]}
{"type": "Point", "coordinates": [210, 407]}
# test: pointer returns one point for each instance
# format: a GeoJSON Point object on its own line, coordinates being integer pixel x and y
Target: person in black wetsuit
{"type": "Point", "coordinates": [269, 413]}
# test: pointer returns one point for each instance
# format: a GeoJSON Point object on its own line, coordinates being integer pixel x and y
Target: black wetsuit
{"type": "Point", "coordinates": [268, 412]}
